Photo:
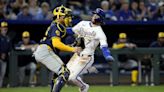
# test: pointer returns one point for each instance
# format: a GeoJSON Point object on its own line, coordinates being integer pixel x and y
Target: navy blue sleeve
{"type": "Point", "coordinates": [154, 44]}
{"type": "Point", "coordinates": [19, 44]}
{"type": "Point", "coordinates": [0, 46]}
{"type": "Point", "coordinates": [32, 42]}
{"type": "Point", "coordinates": [69, 31]}
{"type": "Point", "coordinates": [54, 31]}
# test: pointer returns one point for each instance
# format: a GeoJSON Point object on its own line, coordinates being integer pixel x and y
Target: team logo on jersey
{"type": "Point", "coordinates": [57, 33]}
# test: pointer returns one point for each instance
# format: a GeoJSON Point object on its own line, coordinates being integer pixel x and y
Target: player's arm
{"type": "Point", "coordinates": [104, 47]}
{"type": "Point", "coordinates": [56, 42]}
{"type": "Point", "coordinates": [75, 29]}
{"type": "Point", "coordinates": [106, 53]}
{"type": "Point", "coordinates": [118, 46]}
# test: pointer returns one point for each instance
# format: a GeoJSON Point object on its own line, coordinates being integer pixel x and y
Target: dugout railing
{"type": "Point", "coordinates": [156, 52]}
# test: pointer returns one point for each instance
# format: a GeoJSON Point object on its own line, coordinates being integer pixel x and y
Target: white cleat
{"type": "Point", "coordinates": [84, 89]}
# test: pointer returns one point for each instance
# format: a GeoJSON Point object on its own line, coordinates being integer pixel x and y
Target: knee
{"type": "Point", "coordinates": [65, 74]}
{"type": "Point", "coordinates": [72, 78]}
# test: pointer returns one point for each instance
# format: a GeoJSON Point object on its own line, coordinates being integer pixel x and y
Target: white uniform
{"type": "Point", "coordinates": [93, 35]}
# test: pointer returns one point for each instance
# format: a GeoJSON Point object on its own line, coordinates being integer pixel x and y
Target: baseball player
{"type": "Point", "coordinates": [47, 52]}
{"type": "Point", "coordinates": [92, 34]}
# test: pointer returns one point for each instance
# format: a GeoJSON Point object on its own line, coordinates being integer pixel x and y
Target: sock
{"type": "Point", "coordinates": [134, 76]}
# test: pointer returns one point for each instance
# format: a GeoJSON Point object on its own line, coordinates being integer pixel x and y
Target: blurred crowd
{"type": "Point", "coordinates": [116, 10]}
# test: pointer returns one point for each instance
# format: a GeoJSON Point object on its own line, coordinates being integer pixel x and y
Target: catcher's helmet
{"type": "Point", "coordinates": [61, 11]}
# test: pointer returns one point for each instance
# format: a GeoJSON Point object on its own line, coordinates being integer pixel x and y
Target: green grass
{"type": "Point", "coordinates": [92, 89]}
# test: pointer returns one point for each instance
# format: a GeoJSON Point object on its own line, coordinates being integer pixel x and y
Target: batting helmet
{"type": "Point", "coordinates": [100, 13]}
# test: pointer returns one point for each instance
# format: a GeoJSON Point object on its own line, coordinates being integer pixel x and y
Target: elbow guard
{"type": "Point", "coordinates": [105, 52]}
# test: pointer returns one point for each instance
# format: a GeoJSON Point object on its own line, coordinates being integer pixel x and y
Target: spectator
{"type": "Point", "coordinates": [17, 5]}
{"type": "Point", "coordinates": [125, 14]}
{"type": "Point", "coordinates": [135, 11]}
{"type": "Point", "coordinates": [92, 4]}
{"type": "Point", "coordinates": [160, 13]}
{"type": "Point", "coordinates": [77, 8]}
{"type": "Point", "coordinates": [142, 11]}
{"type": "Point", "coordinates": [112, 4]}
{"type": "Point", "coordinates": [127, 62]}
{"type": "Point", "coordinates": [119, 3]}
{"type": "Point", "coordinates": [152, 8]}
{"type": "Point", "coordinates": [109, 14]}
{"type": "Point", "coordinates": [2, 12]}
{"type": "Point", "coordinates": [45, 14]}
{"type": "Point", "coordinates": [24, 14]}
{"type": "Point", "coordinates": [34, 9]}
{"type": "Point", "coordinates": [26, 62]}
{"type": "Point", "coordinates": [5, 46]}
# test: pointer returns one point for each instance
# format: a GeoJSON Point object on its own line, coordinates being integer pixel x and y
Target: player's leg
{"type": "Point", "coordinates": [78, 68]}
{"type": "Point", "coordinates": [74, 61]}
{"type": "Point", "coordinates": [85, 86]}
{"type": "Point", "coordinates": [32, 67]}
{"type": "Point", "coordinates": [53, 80]}
{"type": "Point", "coordinates": [2, 71]}
{"type": "Point", "coordinates": [48, 58]}
{"type": "Point", "coordinates": [52, 62]}
{"type": "Point", "coordinates": [63, 74]}
{"type": "Point", "coordinates": [133, 66]}
{"type": "Point", "coordinates": [21, 75]}
{"type": "Point", "coordinates": [61, 80]}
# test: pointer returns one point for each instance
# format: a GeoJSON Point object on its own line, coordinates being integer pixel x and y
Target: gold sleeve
{"type": "Point", "coordinates": [118, 46]}
{"type": "Point", "coordinates": [56, 42]}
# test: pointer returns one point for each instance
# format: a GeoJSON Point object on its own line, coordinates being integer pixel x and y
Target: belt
{"type": "Point", "coordinates": [86, 55]}
{"type": "Point", "coordinates": [49, 48]}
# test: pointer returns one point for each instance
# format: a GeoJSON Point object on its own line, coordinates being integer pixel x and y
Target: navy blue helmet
{"type": "Point", "coordinates": [100, 13]}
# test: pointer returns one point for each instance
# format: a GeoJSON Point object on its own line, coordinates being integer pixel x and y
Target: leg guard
{"type": "Point", "coordinates": [53, 81]}
{"type": "Point", "coordinates": [61, 80]}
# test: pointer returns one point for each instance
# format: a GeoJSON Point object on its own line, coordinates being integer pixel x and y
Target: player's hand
{"type": "Point", "coordinates": [131, 45]}
{"type": "Point", "coordinates": [78, 50]}
{"type": "Point", "coordinates": [3, 56]}
{"type": "Point", "coordinates": [110, 58]}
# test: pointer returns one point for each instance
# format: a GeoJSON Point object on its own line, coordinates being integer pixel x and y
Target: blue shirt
{"type": "Point", "coordinates": [20, 16]}
{"type": "Point", "coordinates": [109, 14]}
{"type": "Point", "coordinates": [156, 44]}
{"type": "Point", "coordinates": [31, 42]}
{"type": "Point", "coordinates": [5, 44]}
{"type": "Point", "coordinates": [152, 7]}
{"type": "Point", "coordinates": [41, 16]}
{"type": "Point", "coordinates": [124, 15]}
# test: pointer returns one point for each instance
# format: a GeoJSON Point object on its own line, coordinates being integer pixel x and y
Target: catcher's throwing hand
{"type": "Point", "coordinates": [78, 50]}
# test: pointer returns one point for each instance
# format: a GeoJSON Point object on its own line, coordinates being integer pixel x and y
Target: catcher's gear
{"type": "Point", "coordinates": [63, 11]}
{"type": "Point", "coordinates": [61, 80]}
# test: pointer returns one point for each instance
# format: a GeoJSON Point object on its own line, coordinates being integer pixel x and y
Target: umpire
{"type": "Point", "coordinates": [4, 50]}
